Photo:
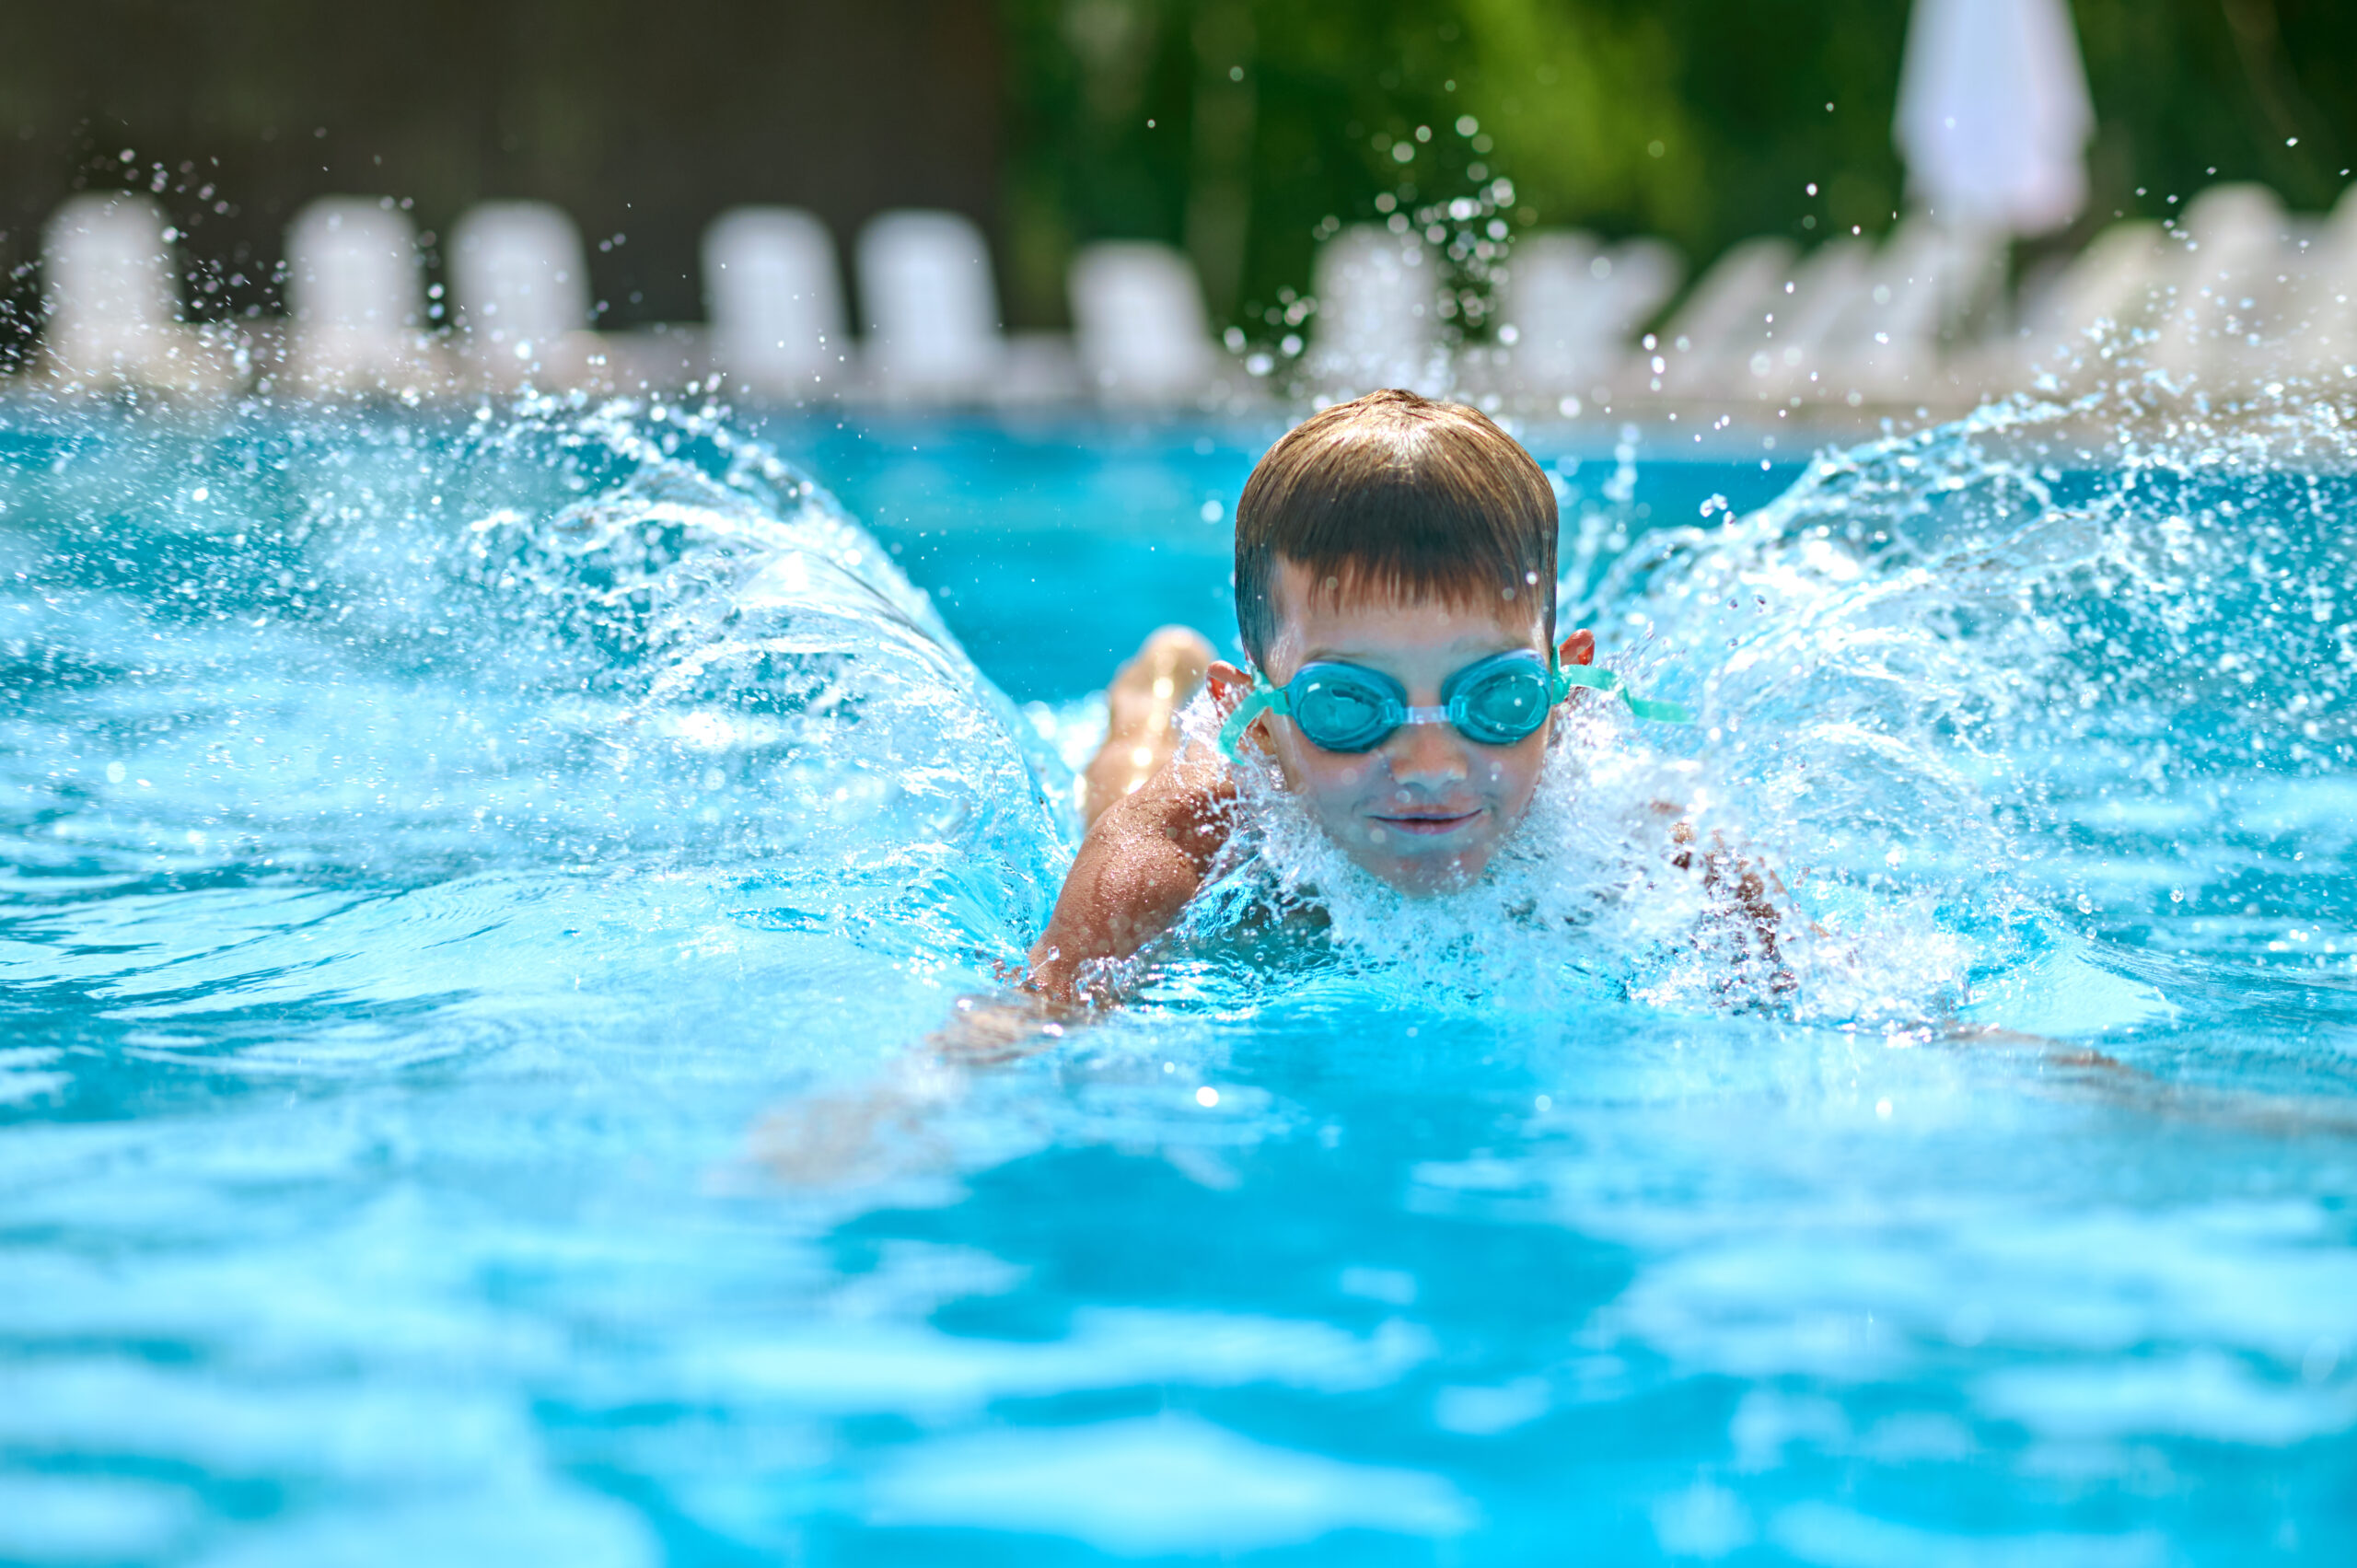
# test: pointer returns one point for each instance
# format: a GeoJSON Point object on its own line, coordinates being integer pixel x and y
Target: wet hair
{"type": "Point", "coordinates": [1394, 496]}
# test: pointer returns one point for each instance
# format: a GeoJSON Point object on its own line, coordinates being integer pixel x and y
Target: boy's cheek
{"type": "Point", "coordinates": [1333, 794]}
{"type": "Point", "coordinates": [1319, 775]}
{"type": "Point", "coordinates": [1341, 786]}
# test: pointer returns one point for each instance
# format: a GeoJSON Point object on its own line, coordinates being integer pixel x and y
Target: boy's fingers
{"type": "Point", "coordinates": [1229, 685]}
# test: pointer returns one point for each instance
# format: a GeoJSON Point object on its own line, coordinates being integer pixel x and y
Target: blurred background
{"type": "Point", "coordinates": [1238, 131]}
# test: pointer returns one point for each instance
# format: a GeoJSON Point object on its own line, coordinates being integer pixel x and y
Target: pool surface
{"type": "Point", "coordinates": [479, 888]}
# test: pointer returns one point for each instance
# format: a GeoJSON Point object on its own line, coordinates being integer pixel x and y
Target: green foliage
{"type": "Point", "coordinates": [1244, 129]}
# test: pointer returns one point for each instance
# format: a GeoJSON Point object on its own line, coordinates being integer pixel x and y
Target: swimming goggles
{"type": "Point", "coordinates": [1492, 702]}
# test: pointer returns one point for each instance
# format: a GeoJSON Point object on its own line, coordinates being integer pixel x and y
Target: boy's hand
{"type": "Point", "coordinates": [1000, 1026]}
{"type": "Point", "coordinates": [889, 1127]}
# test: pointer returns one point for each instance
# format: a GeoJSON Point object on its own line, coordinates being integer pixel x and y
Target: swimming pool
{"type": "Point", "coordinates": [479, 886]}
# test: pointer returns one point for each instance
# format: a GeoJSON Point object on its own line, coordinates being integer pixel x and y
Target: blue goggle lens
{"type": "Point", "coordinates": [1499, 703]}
{"type": "Point", "coordinates": [1341, 710]}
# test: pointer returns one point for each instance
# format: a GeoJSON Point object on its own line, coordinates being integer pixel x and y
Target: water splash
{"type": "Point", "coordinates": [413, 700]}
{"type": "Point", "coordinates": [1922, 673]}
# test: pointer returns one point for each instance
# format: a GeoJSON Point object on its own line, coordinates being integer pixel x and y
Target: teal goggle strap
{"type": "Point", "coordinates": [1262, 699]}
{"type": "Point", "coordinates": [1266, 699]}
{"type": "Point", "coordinates": [1597, 679]}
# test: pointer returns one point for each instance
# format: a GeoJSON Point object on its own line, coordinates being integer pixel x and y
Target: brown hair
{"type": "Point", "coordinates": [1395, 495]}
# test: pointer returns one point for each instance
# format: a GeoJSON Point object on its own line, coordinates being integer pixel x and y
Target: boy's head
{"type": "Point", "coordinates": [1412, 538]}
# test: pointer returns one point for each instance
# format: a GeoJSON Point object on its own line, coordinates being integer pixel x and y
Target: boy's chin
{"type": "Point", "coordinates": [1425, 876]}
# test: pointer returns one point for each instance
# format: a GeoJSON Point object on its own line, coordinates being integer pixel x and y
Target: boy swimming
{"type": "Point", "coordinates": [1395, 586]}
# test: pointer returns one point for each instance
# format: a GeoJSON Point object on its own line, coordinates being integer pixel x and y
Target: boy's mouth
{"type": "Point", "coordinates": [1431, 823]}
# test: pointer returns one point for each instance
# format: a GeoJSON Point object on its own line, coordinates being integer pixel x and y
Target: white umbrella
{"type": "Point", "coordinates": [1993, 113]}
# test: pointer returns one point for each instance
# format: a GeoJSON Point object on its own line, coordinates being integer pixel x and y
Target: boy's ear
{"type": "Point", "coordinates": [1229, 685]}
{"type": "Point", "coordinates": [1578, 648]}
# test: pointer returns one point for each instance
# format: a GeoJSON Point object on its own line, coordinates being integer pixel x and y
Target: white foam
{"type": "Point", "coordinates": [855, 1368]}
{"type": "Point", "coordinates": [1153, 1487]}
{"type": "Point", "coordinates": [1585, 899]}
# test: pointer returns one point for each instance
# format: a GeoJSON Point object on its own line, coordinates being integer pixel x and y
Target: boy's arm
{"type": "Point", "coordinates": [1143, 860]}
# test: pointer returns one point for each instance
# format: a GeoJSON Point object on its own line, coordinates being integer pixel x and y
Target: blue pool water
{"type": "Point", "coordinates": [479, 890]}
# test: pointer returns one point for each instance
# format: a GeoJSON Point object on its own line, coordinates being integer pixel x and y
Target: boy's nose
{"type": "Point", "coordinates": [1426, 754]}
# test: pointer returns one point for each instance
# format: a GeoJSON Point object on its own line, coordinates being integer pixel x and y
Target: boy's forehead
{"type": "Point", "coordinates": [1321, 607]}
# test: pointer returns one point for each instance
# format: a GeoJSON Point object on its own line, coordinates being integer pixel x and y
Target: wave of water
{"type": "Point", "coordinates": [358, 717]}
